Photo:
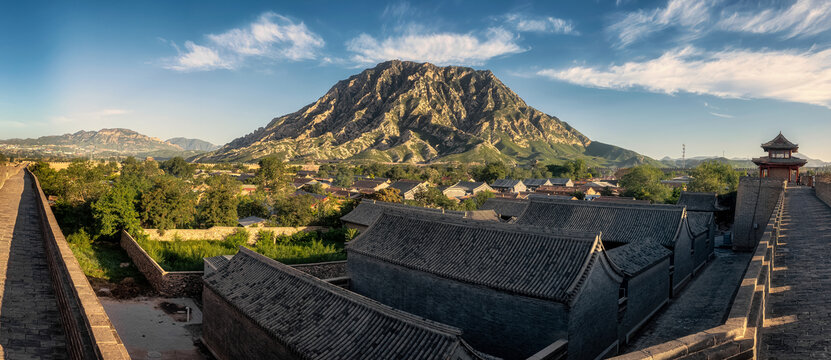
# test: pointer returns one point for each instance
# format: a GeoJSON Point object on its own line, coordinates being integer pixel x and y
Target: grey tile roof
{"type": "Point", "coordinates": [405, 185]}
{"type": "Point", "coordinates": [505, 207]}
{"type": "Point", "coordinates": [779, 142]}
{"type": "Point", "coordinates": [505, 183]}
{"type": "Point", "coordinates": [699, 222]}
{"type": "Point", "coordinates": [526, 260]}
{"type": "Point", "coordinates": [699, 201]}
{"type": "Point", "coordinates": [619, 223]}
{"type": "Point", "coordinates": [370, 210]}
{"type": "Point", "coordinates": [637, 257]}
{"type": "Point", "coordinates": [318, 320]}
{"type": "Point", "coordinates": [215, 262]}
{"type": "Point", "coordinates": [559, 181]}
{"type": "Point", "coordinates": [536, 182]}
{"type": "Point", "coordinates": [469, 186]}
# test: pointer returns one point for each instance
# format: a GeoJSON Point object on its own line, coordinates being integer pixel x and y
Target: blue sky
{"type": "Point", "coordinates": [718, 76]}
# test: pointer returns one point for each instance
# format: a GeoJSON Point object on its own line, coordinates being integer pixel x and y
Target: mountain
{"type": "Point", "coordinates": [402, 111]}
{"type": "Point", "coordinates": [101, 143]}
{"type": "Point", "coordinates": [192, 144]}
{"type": "Point", "coordinates": [738, 163]}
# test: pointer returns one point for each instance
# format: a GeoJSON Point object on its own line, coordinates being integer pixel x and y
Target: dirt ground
{"type": "Point", "coordinates": [157, 328]}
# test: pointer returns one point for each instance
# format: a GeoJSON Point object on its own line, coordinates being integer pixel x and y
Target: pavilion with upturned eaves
{"type": "Point", "coordinates": [780, 162]}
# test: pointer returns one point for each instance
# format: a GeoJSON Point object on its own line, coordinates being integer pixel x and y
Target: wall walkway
{"type": "Point", "coordinates": [799, 308]}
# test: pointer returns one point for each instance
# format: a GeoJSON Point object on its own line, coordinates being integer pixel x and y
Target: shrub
{"type": "Point", "coordinates": [265, 236]}
{"type": "Point", "coordinates": [79, 238]}
{"type": "Point", "coordinates": [238, 238]}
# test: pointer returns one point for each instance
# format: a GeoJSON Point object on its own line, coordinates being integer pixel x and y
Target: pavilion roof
{"type": "Point", "coordinates": [779, 143]}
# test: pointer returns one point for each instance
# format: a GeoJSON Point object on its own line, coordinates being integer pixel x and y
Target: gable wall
{"type": "Point", "coordinates": [593, 326]}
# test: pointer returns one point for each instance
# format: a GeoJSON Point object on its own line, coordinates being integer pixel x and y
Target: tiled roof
{"type": "Point", "coordinates": [216, 262]}
{"type": "Point", "coordinates": [699, 201]}
{"type": "Point", "coordinates": [789, 161]}
{"type": "Point", "coordinates": [559, 181]}
{"type": "Point", "coordinates": [526, 260]}
{"type": "Point", "coordinates": [366, 184]}
{"type": "Point", "coordinates": [619, 223]}
{"type": "Point", "coordinates": [405, 185]}
{"type": "Point", "coordinates": [469, 185]}
{"type": "Point", "coordinates": [779, 143]}
{"type": "Point", "coordinates": [250, 220]}
{"type": "Point", "coordinates": [505, 183]}
{"type": "Point", "coordinates": [549, 196]}
{"type": "Point", "coordinates": [536, 182]}
{"type": "Point", "coordinates": [318, 320]}
{"type": "Point", "coordinates": [620, 199]}
{"type": "Point", "coordinates": [505, 207]}
{"type": "Point", "coordinates": [699, 222]}
{"type": "Point", "coordinates": [636, 257]}
{"type": "Point", "coordinates": [370, 210]}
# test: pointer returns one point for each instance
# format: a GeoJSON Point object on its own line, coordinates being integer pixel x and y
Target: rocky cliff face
{"type": "Point", "coordinates": [402, 111]}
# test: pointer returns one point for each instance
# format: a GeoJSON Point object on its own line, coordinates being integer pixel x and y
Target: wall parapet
{"type": "Point", "coordinates": [740, 333]}
{"type": "Point", "coordinates": [89, 332]}
{"type": "Point", "coordinates": [823, 190]}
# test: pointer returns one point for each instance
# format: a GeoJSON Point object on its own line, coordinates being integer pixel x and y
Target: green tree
{"type": "Point", "coordinates": [573, 169]}
{"type": "Point", "coordinates": [493, 171]}
{"type": "Point", "coordinates": [139, 174]}
{"type": "Point", "coordinates": [169, 204]}
{"type": "Point", "coordinates": [47, 177]}
{"type": "Point", "coordinates": [433, 197]}
{"type": "Point", "coordinates": [82, 181]}
{"type": "Point", "coordinates": [218, 206]}
{"type": "Point", "coordinates": [714, 176]}
{"type": "Point", "coordinates": [295, 210]}
{"type": "Point", "coordinates": [643, 182]}
{"type": "Point", "coordinates": [316, 188]}
{"type": "Point", "coordinates": [178, 167]}
{"type": "Point", "coordinates": [116, 211]}
{"type": "Point", "coordinates": [388, 195]}
{"type": "Point", "coordinates": [272, 174]}
{"type": "Point", "coordinates": [252, 205]}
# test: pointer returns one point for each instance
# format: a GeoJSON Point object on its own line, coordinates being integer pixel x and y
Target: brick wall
{"type": "Point", "coordinates": [221, 232]}
{"type": "Point", "coordinates": [229, 334]}
{"type": "Point", "coordinates": [89, 333]}
{"type": "Point", "coordinates": [823, 189]}
{"type": "Point", "coordinates": [166, 283]}
{"type": "Point", "coordinates": [755, 202]}
{"type": "Point", "coordinates": [494, 322]}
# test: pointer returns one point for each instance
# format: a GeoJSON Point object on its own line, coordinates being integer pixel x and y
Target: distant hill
{"type": "Point", "coordinates": [101, 143]}
{"type": "Point", "coordinates": [192, 144]}
{"type": "Point", "coordinates": [401, 111]}
{"type": "Point", "coordinates": [735, 162]}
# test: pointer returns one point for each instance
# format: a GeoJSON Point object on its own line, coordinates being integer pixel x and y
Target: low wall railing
{"type": "Point", "coordinates": [89, 332]}
{"type": "Point", "coordinates": [740, 333]}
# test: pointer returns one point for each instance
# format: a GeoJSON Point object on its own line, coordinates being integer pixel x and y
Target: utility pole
{"type": "Point", "coordinates": [684, 156]}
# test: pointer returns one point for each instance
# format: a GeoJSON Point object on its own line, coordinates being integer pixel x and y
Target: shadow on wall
{"type": "Point", "coordinates": [755, 202]}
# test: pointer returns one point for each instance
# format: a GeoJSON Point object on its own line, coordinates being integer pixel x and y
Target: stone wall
{"type": "Point", "coordinates": [6, 172]}
{"type": "Point", "coordinates": [823, 189]}
{"type": "Point", "coordinates": [738, 337]}
{"type": "Point", "coordinates": [755, 202]}
{"type": "Point", "coordinates": [89, 333]}
{"type": "Point", "coordinates": [166, 283]}
{"type": "Point", "coordinates": [221, 232]}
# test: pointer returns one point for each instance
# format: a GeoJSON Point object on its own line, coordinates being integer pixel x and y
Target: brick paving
{"type": "Point", "coordinates": [702, 305]}
{"type": "Point", "coordinates": [798, 322]}
{"type": "Point", "coordinates": [30, 325]}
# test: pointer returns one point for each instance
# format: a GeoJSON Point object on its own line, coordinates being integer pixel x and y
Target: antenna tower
{"type": "Point", "coordinates": [684, 156]}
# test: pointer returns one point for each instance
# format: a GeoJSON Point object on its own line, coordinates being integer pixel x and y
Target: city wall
{"type": "Point", "coordinates": [221, 232]}
{"type": "Point", "coordinates": [823, 189]}
{"type": "Point", "coordinates": [739, 336]}
{"type": "Point", "coordinates": [89, 333]}
{"type": "Point", "coordinates": [756, 199]}
{"type": "Point", "coordinates": [6, 172]}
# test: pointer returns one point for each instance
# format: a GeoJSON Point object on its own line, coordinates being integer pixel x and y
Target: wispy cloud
{"type": "Point", "coordinates": [797, 76]}
{"type": "Point", "coordinates": [271, 36]}
{"type": "Point", "coordinates": [638, 24]}
{"type": "Point", "coordinates": [440, 48]}
{"type": "Point", "coordinates": [96, 115]}
{"type": "Point", "coordinates": [540, 24]}
{"type": "Point", "coordinates": [725, 116]}
{"type": "Point", "coordinates": [697, 17]}
{"type": "Point", "coordinates": [803, 17]}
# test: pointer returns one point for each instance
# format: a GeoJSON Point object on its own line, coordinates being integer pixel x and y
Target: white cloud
{"type": "Point", "coordinates": [725, 116]}
{"type": "Point", "coordinates": [271, 36]}
{"type": "Point", "coordinates": [804, 17]}
{"type": "Point", "coordinates": [438, 48]}
{"type": "Point", "coordinates": [803, 77]}
{"type": "Point", "coordinates": [638, 24]}
{"type": "Point", "coordinates": [546, 24]}
{"type": "Point", "coordinates": [697, 17]}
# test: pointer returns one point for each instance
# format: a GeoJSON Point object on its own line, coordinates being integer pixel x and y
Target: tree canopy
{"type": "Point", "coordinates": [714, 176]}
{"type": "Point", "coordinates": [643, 182]}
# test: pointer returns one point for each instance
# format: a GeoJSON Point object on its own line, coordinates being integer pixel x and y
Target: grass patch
{"type": "Point", "coordinates": [299, 248]}
{"type": "Point", "coordinates": [102, 260]}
